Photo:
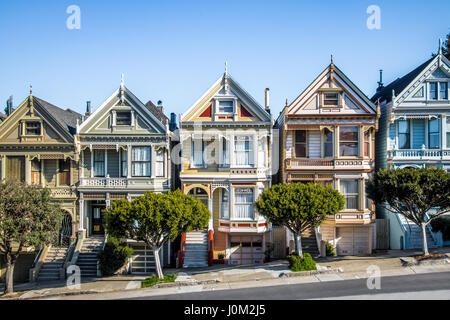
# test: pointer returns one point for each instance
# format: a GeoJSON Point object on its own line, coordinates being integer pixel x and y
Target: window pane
{"type": "Point", "coordinates": [433, 90]}
{"type": "Point", "coordinates": [243, 151]}
{"type": "Point", "coordinates": [99, 163]}
{"type": "Point", "coordinates": [300, 143]}
{"type": "Point", "coordinates": [433, 134]}
{"type": "Point", "coordinates": [226, 106]}
{"type": "Point", "coordinates": [225, 211]}
{"type": "Point", "coordinates": [124, 162]}
{"type": "Point", "coordinates": [198, 152]}
{"type": "Point", "coordinates": [330, 98]}
{"type": "Point", "coordinates": [141, 162]}
{"type": "Point", "coordinates": [300, 136]}
{"type": "Point", "coordinates": [123, 118]}
{"type": "Point", "coordinates": [328, 144]}
{"type": "Point", "coordinates": [403, 134]}
{"type": "Point", "coordinates": [349, 189]}
{"type": "Point", "coordinates": [443, 90]}
{"type": "Point", "coordinates": [243, 208]}
{"type": "Point", "coordinates": [33, 128]}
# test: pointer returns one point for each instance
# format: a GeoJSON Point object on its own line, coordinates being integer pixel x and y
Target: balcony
{"type": "Point", "coordinates": [419, 154]}
{"type": "Point", "coordinates": [124, 183]}
{"type": "Point", "coordinates": [354, 218]}
{"type": "Point", "coordinates": [63, 193]}
{"type": "Point", "coordinates": [237, 226]}
{"type": "Point", "coordinates": [327, 164]}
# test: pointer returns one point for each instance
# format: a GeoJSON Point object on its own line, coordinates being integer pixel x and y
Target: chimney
{"type": "Point", "coordinates": [160, 106]}
{"type": "Point", "coordinates": [173, 122]}
{"type": "Point", "coordinates": [9, 106]}
{"type": "Point", "coordinates": [380, 83]}
{"type": "Point", "coordinates": [267, 105]}
{"type": "Point", "coordinates": [88, 109]}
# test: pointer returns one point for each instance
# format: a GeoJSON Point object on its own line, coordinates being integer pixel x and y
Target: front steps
{"type": "Point", "coordinates": [309, 243]}
{"type": "Point", "coordinates": [87, 259]}
{"type": "Point", "coordinates": [196, 255]}
{"type": "Point", "coordinates": [53, 262]}
{"type": "Point", "coordinates": [415, 235]}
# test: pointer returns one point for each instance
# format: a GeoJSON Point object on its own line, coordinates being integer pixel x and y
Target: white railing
{"type": "Point", "coordinates": [63, 193]}
{"type": "Point", "coordinates": [104, 182]}
{"type": "Point", "coordinates": [419, 153]}
{"type": "Point", "coordinates": [329, 163]}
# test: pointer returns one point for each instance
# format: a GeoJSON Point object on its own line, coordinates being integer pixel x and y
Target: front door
{"type": "Point", "coordinates": [97, 220]}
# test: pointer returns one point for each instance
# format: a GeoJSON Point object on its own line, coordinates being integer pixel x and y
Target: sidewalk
{"type": "Point", "coordinates": [221, 277]}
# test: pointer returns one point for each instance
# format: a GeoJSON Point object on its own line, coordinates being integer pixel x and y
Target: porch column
{"type": "Point", "coordinates": [210, 208]}
{"type": "Point", "coordinates": [82, 212]}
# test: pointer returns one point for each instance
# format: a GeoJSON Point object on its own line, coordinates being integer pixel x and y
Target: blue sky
{"type": "Point", "coordinates": [174, 50]}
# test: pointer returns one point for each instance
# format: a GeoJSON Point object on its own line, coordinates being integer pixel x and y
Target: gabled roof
{"type": "Point", "coordinates": [66, 118]}
{"type": "Point", "coordinates": [118, 94]}
{"type": "Point", "coordinates": [157, 112]}
{"type": "Point", "coordinates": [294, 107]}
{"type": "Point", "coordinates": [217, 86]}
{"type": "Point", "coordinates": [385, 94]}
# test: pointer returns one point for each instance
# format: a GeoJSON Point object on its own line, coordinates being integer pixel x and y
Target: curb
{"type": "Point", "coordinates": [412, 262]}
{"type": "Point", "coordinates": [309, 273]}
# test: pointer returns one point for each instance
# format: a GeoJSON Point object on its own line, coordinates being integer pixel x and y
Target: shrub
{"type": "Point", "coordinates": [442, 224]}
{"type": "Point", "coordinates": [114, 256]}
{"type": "Point", "coordinates": [330, 250]}
{"type": "Point", "coordinates": [151, 281]}
{"type": "Point", "coordinates": [297, 263]}
{"type": "Point", "coordinates": [221, 256]}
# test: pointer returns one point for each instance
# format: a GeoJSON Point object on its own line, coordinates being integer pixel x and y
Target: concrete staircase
{"type": "Point", "coordinates": [415, 234]}
{"type": "Point", "coordinates": [196, 255]}
{"type": "Point", "coordinates": [87, 260]}
{"type": "Point", "coordinates": [309, 243]}
{"type": "Point", "coordinates": [52, 263]}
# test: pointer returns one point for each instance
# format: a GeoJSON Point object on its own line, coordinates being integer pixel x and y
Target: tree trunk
{"type": "Point", "coordinates": [298, 244]}
{"type": "Point", "coordinates": [424, 239]}
{"type": "Point", "coordinates": [159, 272]}
{"type": "Point", "coordinates": [9, 277]}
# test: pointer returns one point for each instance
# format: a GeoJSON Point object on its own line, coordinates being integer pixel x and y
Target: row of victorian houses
{"type": "Point", "coordinates": [226, 150]}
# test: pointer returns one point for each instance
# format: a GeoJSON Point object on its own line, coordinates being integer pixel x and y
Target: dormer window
{"type": "Point", "coordinates": [32, 128]}
{"type": "Point", "coordinates": [225, 107]}
{"type": "Point", "coordinates": [330, 98]}
{"type": "Point", "coordinates": [123, 118]}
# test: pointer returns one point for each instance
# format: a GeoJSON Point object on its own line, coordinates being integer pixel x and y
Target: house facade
{"type": "Point", "coordinates": [327, 136]}
{"type": "Point", "coordinates": [225, 139]}
{"type": "Point", "coordinates": [37, 147]}
{"type": "Point", "coordinates": [414, 132]}
{"type": "Point", "coordinates": [124, 152]}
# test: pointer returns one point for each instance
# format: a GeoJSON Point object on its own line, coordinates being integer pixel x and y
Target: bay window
{"type": "Point", "coordinates": [243, 151]}
{"type": "Point", "coordinates": [300, 144]}
{"type": "Point", "coordinates": [124, 163]}
{"type": "Point", "coordinates": [225, 205]}
{"type": "Point", "coordinates": [243, 203]}
{"type": "Point", "coordinates": [141, 162]}
{"type": "Point", "coordinates": [328, 144]}
{"type": "Point", "coordinates": [348, 141]}
{"type": "Point", "coordinates": [159, 162]}
{"type": "Point", "coordinates": [433, 134]}
{"type": "Point", "coordinates": [349, 189]}
{"type": "Point", "coordinates": [403, 134]}
{"type": "Point", "coordinates": [99, 163]}
{"type": "Point", "coordinates": [198, 148]}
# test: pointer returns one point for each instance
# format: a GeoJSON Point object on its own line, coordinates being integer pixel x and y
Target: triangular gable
{"type": "Point", "coordinates": [226, 88]}
{"type": "Point", "coordinates": [99, 121]}
{"type": "Point", "coordinates": [332, 80]}
{"type": "Point", "coordinates": [437, 68]}
{"type": "Point", "coordinates": [53, 130]}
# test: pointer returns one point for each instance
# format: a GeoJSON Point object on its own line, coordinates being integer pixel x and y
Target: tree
{"type": "Point", "coordinates": [28, 218]}
{"type": "Point", "coordinates": [299, 207]}
{"type": "Point", "coordinates": [413, 193]}
{"type": "Point", "coordinates": [155, 218]}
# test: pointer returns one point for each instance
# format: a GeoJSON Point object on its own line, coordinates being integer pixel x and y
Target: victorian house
{"type": "Point", "coordinates": [124, 152]}
{"type": "Point", "coordinates": [37, 147]}
{"type": "Point", "coordinates": [414, 132]}
{"type": "Point", "coordinates": [226, 146]}
{"type": "Point", "coordinates": [327, 136]}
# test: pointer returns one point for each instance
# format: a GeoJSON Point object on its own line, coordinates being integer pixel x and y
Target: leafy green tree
{"type": "Point", "coordinates": [413, 193]}
{"type": "Point", "coordinates": [28, 218]}
{"type": "Point", "coordinates": [299, 207]}
{"type": "Point", "coordinates": [155, 218]}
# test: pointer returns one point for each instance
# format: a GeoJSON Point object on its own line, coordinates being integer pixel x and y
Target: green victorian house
{"type": "Point", "coordinates": [37, 147]}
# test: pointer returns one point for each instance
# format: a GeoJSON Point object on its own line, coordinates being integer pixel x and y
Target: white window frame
{"type": "Point", "coordinates": [160, 159]}
{"type": "Point", "coordinates": [222, 113]}
{"type": "Point", "coordinates": [251, 151]}
{"type": "Point", "coordinates": [249, 204]}
{"type": "Point", "coordinates": [141, 161]}
{"type": "Point", "coordinates": [357, 194]}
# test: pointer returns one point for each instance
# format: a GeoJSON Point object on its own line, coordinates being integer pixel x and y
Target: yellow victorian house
{"type": "Point", "coordinates": [225, 162]}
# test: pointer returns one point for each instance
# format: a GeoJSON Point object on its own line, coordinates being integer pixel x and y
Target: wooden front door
{"type": "Point", "coordinates": [97, 220]}
{"type": "Point", "coordinates": [16, 168]}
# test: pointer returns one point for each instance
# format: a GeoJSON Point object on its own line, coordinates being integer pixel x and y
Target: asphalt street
{"type": "Point", "coordinates": [418, 286]}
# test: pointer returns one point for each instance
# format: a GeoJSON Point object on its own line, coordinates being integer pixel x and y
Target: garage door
{"type": "Point", "coordinates": [143, 261]}
{"type": "Point", "coordinates": [246, 250]}
{"type": "Point", "coordinates": [352, 240]}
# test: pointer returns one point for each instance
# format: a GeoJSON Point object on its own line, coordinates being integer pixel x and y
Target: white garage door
{"type": "Point", "coordinates": [143, 261]}
{"type": "Point", "coordinates": [246, 250]}
{"type": "Point", "coordinates": [352, 240]}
